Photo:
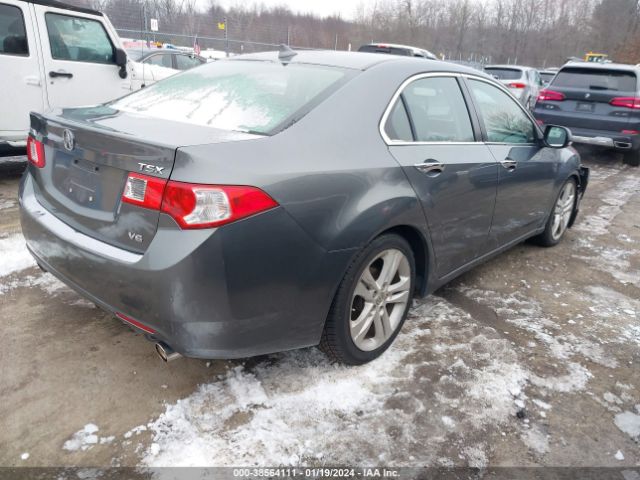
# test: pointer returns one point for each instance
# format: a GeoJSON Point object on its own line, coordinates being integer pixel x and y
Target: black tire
{"type": "Point", "coordinates": [336, 341]}
{"type": "Point", "coordinates": [632, 158]}
{"type": "Point", "coordinates": [546, 238]}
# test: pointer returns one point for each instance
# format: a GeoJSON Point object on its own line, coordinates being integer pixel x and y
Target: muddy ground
{"type": "Point", "coordinates": [530, 359]}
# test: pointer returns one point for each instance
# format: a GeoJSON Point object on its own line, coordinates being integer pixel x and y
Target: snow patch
{"type": "Point", "coordinates": [15, 256]}
{"type": "Point", "coordinates": [629, 423]}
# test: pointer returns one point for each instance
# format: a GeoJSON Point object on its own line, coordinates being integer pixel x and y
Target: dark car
{"type": "Point", "coordinates": [600, 103]}
{"type": "Point", "coordinates": [267, 202]}
{"type": "Point", "coordinates": [166, 57]}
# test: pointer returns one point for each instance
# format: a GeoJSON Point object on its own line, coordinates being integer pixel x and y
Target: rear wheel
{"type": "Point", "coordinates": [560, 215]}
{"type": "Point", "coordinates": [371, 303]}
{"type": "Point", "coordinates": [632, 158]}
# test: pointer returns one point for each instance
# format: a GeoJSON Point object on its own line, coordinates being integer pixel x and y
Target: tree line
{"type": "Point", "coordinates": [532, 32]}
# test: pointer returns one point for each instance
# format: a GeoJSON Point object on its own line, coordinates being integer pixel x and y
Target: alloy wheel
{"type": "Point", "coordinates": [563, 210]}
{"type": "Point", "coordinates": [380, 299]}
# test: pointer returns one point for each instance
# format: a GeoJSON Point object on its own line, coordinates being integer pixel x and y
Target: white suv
{"type": "Point", "coordinates": [55, 55]}
{"type": "Point", "coordinates": [524, 82]}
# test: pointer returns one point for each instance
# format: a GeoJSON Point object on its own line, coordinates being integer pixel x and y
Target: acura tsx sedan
{"type": "Point", "coordinates": [277, 201]}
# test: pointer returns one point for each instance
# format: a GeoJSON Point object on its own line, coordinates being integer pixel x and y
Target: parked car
{"type": "Point", "coordinates": [395, 49]}
{"type": "Point", "coordinates": [524, 82]}
{"type": "Point", "coordinates": [54, 55]}
{"type": "Point", "coordinates": [151, 65]}
{"type": "Point", "coordinates": [600, 103]}
{"type": "Point", "coordinates": [229, 212]}
{"type": "Point", "coordinates": [547, 75]}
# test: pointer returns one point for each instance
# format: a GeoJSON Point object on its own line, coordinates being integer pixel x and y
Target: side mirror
{"type": "Point", "coordinates": [557, 137]}
{"type": "Point", "coordinates": [121, 61]}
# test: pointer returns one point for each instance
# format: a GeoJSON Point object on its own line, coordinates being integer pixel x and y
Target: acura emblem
{"type": "Point", "coordinates": [69, 140]}
{"type": "Point", "coordinates": [587, 95]}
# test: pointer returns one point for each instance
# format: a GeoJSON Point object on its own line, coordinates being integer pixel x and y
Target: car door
{"type": "Point", "coordinates": [79, 58]}
{"type": "Point", "coordinates": [432, 134]}
{"type": "Point", "coordinates": [20, 81]}
{"type": "Point", "coordinates": [527, 169]}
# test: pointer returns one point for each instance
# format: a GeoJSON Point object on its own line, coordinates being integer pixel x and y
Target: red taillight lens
{"type": "Point", "coordinates": [193, 205]}
{"type": "Point", "coordinates": [144, 191]}
{"type": "Point", "coordinates": [630, 132]}
{"type": "Point", "coordinates": [207, 206]}
{"type": "Point", "coordinates": [35, 152]}
{"type": "Point", "coordinates": [551, 96]}
{"type": "Point", "coordinates": [626, 102]}
{"type": "Point", "coordinates": [517, 85]}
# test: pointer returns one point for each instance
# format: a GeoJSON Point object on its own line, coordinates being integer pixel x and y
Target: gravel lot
{"type": "Point", "coordinates": [531, 359]}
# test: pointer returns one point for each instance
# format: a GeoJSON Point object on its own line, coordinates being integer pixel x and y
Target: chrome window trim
{"type": "Point", "coordinates": [420, 76]}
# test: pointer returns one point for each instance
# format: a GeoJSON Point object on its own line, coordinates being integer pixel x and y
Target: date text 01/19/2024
{"type": "Point", "coordinates": [323, 472]}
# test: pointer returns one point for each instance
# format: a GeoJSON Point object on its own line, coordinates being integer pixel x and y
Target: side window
{"type": "Point", "coordinates": [160, 59]}
{"type": "Point", "coordinates": [185, 62]}
{"type": "Point", "coordinates": [398, 126]}
{"type": "Point", "coordinates": [78, 39]}
{"type": "Point", "coordinates": [13, 35]}
{"type": "Point", "coordinates": [438, 110]}
{"type": "Point", "coordinates": [503, 118]}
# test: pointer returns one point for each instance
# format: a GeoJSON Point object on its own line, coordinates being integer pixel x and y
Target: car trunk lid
{"type": "Point", "coordinates": [89, 154]}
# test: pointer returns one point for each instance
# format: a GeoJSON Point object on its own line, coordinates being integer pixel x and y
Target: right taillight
{"type": "Point", "coordinates": [207, 206]}
{"type": "Point", "coordinates": [195, 205]}
{"type": "Point", "coordinates": [551, 96]}
{"type": "Point", "coordinates": [35, 152]}
{"type": "Point", "coordinates": [626, 102]}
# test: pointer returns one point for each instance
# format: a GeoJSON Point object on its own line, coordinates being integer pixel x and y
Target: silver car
{"type": "Point", "coordinates": [524, 82]}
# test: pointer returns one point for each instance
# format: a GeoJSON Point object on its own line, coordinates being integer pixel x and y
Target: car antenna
{"type": "Point", "coordinates": [285, 53]}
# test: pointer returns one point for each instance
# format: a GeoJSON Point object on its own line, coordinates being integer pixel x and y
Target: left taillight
{"type": "Point", "coordinates": [196, 206]}
{"type": "Point", "coordinates": [35, 152]}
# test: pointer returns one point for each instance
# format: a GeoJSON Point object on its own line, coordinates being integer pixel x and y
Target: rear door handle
{"type": "Point", "coordinates": [509, 163]}
{"type": "Point", "coordinates": [430, 166]}
{"type": "Point", "coordinates": [60, 73]}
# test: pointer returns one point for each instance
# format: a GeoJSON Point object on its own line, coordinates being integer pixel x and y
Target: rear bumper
{"type": "Point", "coordinates": [599, 138]}
{"type": "Point", "coordinates": [254, 287]}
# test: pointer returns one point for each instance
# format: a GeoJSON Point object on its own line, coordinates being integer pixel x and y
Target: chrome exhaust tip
{"type": "Point", "coordinates": [622, 145]}
{"type": "Point", "coordinates": [166, 353]}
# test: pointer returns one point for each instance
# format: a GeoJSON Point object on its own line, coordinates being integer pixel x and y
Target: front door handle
{"type": "Point", "coordinates": [60, 73]}
{"type": "Point", "coordinates": [509, 163]}
{"type": "Point", "coordinates": [430, 166]}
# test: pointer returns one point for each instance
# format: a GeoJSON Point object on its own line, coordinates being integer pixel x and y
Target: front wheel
{"type": "Point", "coordinates": [560, 215]}
{"type": "Point", "coordinates": [371, 303]}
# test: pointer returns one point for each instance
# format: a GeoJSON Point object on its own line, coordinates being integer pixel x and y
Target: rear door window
{"type": "Point", "coordinates": [78, 39]}
{"type": "Point", "coordinates": [438, 110]}
{"type": "Point", "coordinates": [505, 73]}
{"type": "Point", "coordinates": [504, 119]}
{"type": "Point", "coordinates": [160, 59]}
{"type": "Point", "coordinates": [185, 62]}
{"type": "Point", "coordinates": [596, 79]}
{"type": "Point", "coordinates": [13, 35]}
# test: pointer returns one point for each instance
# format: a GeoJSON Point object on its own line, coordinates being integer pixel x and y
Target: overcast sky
{"type": "Point", "coordinates": [346, 8]}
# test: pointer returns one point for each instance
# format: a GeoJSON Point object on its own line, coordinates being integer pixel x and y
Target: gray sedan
{"type": "Point", "coordinates": [278, 201]}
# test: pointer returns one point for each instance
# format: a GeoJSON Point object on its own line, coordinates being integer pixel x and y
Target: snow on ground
{"type": "Point", "coordinates": [14, 253]}
{"type": "Point", "coordinates": [629, 423]}
{"type": "Point", "coordinates": [296, 408]}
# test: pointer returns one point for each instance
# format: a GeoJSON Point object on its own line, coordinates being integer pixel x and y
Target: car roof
{"type": "Point", "coordinates": [65, 6]}
{"type": "Point", "coordinates": [356, 60]}
{"type": "Point", "coordinates": [602, 66]}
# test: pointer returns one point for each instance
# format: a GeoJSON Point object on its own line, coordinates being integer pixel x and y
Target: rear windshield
{"type": "Point", "coordinates": [596, 79]}
{"type": "Point", "coordinates": [382, 49]}
{"type": "Point", "coordinates": [248, 96]}
{"type": "Point", "coordinates": [504, 73]}
{"type": "Point", "coordinates": [547, 76]}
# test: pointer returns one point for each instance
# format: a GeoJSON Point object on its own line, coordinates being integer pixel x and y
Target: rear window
{"type": "Point", "coordinates": [248, 96]}
{"type": "Point", "coordinates": [596, 79]}
{"type": "Point", "coordinates": [390, 50]}
{"type": "Point", "coordinates": [546, 76]}
{"type": "Point", "coordinates": [504, 73]}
